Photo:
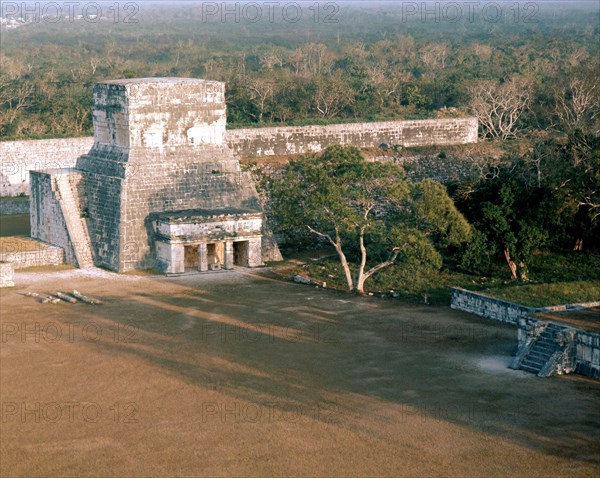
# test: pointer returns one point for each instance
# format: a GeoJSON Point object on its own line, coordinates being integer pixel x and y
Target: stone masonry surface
{"type": "Point", "coordinates": [159, 146]}
{"type": "Point", "coordinates": [19, 157]}
{"type": "Point", "coordinates": [587, 344]}
{"type": "Point", "coordinates": [14, 206]}
{"type": "Point", "coordinates": [42, 255]}
{"type": "Point", "coordinates": [282, 141]}
{"type": "Point", "coordinates": [6, 274]}
{"type": "Point", "coordinates": [47, 220]}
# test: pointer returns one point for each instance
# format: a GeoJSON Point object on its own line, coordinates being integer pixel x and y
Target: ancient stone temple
{"type": "Point", "coordinates": [159, 188]}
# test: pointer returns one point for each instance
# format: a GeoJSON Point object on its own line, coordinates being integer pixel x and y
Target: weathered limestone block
{"type": "Point", "coordinates": [228, 255]}
{"type": "Point", "coordinates": [6, 274]}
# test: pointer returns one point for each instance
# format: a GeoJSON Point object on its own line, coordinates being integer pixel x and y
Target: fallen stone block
{"type": "Point", "coordinates": [302, 280]}
{"type": "Point", "coordinates": [83, 298]}
{"type": "Point", "coordinates": [50, 300]}
{"type": "Point", "coordinates": [66, 298]}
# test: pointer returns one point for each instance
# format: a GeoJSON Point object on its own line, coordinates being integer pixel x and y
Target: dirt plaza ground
{"type": "Point", "coordinates": [240, 374]}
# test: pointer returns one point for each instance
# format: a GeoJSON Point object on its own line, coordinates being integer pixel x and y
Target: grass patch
{"type": "Point", "coordinates": [560, 278]}
{"type": "Point", "coordinates": [413, 286]}
{"type": "Point", "coordinates": [569, 266]}
{"type": "Point", "coordinates": [544, 295]}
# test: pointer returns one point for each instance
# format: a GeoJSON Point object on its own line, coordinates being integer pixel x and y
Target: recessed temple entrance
{"type": "Point", "coordinates": [208, 240]}
{"type": "Point", "coordinates": [241, 251]}
{"type": "Point", "coordinates": [191, 257]}
{"type": "Point", "coordinates": [214, 256]}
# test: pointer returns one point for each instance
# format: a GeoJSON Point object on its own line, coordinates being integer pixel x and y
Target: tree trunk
{"type": "Point", "coordinates": [365, 275]}
{"type": "Point", "coordinates": [523, 271]}
{"type": "Point", "coordinates": [338, 247]}
{"type": "Point", "coordinates": [511, 264]}
{"type": "Point", "coordinates": [346, 267]}
{"type": "Point", "coordinates": [360, 276]}
{"type": "Point", "coordinates": [578, 247]}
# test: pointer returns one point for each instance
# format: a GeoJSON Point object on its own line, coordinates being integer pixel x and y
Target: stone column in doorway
{"type": "Point", "coordinates": [228, 255]}
{"type": "Point", "coordinates": [203, 257]}
{"type": "Point", "coordinates": [255, 252]}
{"type": "Point", "coordinates": [177, 259]}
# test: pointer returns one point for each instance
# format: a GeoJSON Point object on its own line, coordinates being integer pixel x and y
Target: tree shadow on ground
{"type": "Point", "coordinates": [264, 341]}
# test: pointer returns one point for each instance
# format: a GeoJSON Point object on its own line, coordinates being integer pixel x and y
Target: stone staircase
{"type": "Point", "coordinates": [76, 225]}
{"type": "Point", "coordinates": [547, 352]}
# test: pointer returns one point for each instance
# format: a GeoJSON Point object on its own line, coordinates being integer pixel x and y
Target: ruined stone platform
{"type": "Point", "coordinates": [159, 146]}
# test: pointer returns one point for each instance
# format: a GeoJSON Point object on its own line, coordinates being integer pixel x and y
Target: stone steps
{"type": "Point", "coordinates": [76, 225]}
{"type": "Point", "coordinates": [542, 350]}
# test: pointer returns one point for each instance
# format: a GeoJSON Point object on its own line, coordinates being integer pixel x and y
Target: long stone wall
{"type": "Point", "coordinates": [282, 141]}
{"type": "Point", "coordinates": [489, 307]}
{"type": "Point", "coordinates": [19, 157]}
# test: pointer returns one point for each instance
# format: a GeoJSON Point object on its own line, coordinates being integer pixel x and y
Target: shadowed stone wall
{"type": "Point", "coordinates": [14, 205]}
{"type": "Point", "coordinates": [47, 220]}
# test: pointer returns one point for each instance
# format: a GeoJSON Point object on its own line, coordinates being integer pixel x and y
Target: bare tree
{"type": "Point", "coordinates": [332, 95]}
{"type": "Point", "coordinates": [313, 59]}
{"type": "Point", "coordinates": [578, 105]}
{"type": "Point", "coordinates": [296, 59]}
{"type": "Point", "coordinates": [261, 91]}
{"type": "Point", "coordinates": [271, 57]}
{"type": "Point", "coordinates": [15, 95]}
{"type": "Point", "coordinates": [385, 82]}
{"type": "Point", "coordinates": [435, 55]}
{"type": "Point", "coordinates": [94, 63]}
{"type": "Point", "coordinates": [499, 106]}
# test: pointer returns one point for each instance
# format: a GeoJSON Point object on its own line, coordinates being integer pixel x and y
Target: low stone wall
{"type": "Point", "coordinates": [588, 354]}
{"type": "Point", "coordinates": [587, 343]}
{"type": "Point", "coordinates": [14, 206]}
{"type": "Point", "coordinates": [489, 307]}
{"type": "Point", "coordinates": [44, 255]}
{"type": "Point", "coordinates": [6, 274]}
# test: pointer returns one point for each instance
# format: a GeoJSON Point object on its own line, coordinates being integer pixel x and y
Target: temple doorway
{"type": "Point", "coordinates": [191, 258]}
{"type": "Point", "coordinates": [241, 253]}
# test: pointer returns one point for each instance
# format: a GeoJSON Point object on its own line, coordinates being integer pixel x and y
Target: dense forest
{"type": "Point", "coordinates": [532, 63]}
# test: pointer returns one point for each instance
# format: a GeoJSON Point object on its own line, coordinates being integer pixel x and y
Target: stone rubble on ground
{"type": "Point", "coordinates": [66, 298]}
{"type": "Point", "coordinates": [83, 298]}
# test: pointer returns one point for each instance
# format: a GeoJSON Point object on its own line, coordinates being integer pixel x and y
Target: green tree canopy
{"type": "Point", "coordinates": [370, 207]}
